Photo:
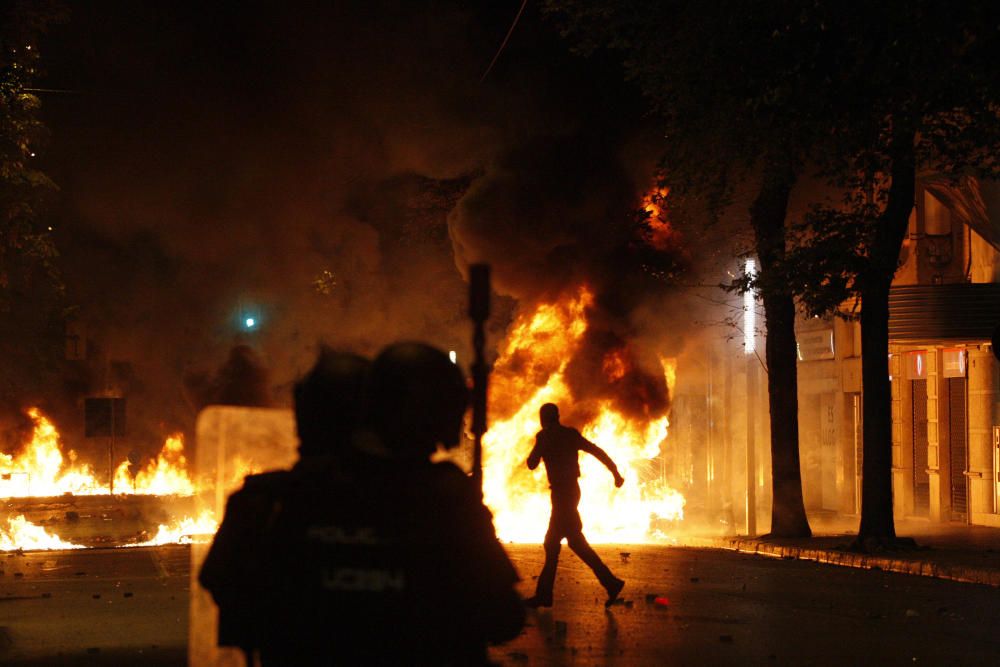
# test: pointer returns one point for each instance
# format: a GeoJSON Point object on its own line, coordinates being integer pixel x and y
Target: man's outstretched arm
{"type": "Point", "coordinates": [602, 456]}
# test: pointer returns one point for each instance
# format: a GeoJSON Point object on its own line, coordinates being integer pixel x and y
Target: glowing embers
{"type": "Point", "coordinates": [530, 372]}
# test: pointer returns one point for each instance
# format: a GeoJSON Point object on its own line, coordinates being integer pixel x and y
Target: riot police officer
{"type": "Point", "coordinates": [385, 557]}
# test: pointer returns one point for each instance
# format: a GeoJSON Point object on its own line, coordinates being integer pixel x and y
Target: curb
{"type": "Point", "coordinates": [923, 568]}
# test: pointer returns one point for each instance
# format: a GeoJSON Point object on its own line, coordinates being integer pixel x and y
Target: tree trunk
{"type": "Point", "coordinates": [877, 526]}
{"type": "Point", "coordinates": [767, 216]}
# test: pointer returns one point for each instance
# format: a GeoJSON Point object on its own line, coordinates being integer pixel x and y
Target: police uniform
{"type": "Point", "coordinates": [229, 571]}
{"type": "Point", "coordinates": [376, 561]}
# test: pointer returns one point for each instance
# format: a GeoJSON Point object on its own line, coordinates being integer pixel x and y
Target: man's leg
{"type": "Point", "coordinates": [547, 578]}
{"type": "Point", "coordinates": [553, 544]}
{"type": "Point", "coordinates": [578, 543]}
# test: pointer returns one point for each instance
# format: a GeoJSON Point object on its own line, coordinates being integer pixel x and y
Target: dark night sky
{"type": "Point", "coordinates": [219, 155]}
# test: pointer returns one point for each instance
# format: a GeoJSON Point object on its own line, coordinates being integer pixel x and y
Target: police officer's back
{"type": "Point", "coordinates": [384, 557]}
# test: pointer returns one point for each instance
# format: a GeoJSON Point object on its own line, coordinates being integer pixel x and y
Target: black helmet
{"type": "Point", "coordinates": [329, 401]}
{"type": "Point", "coordinates": [418, 399]}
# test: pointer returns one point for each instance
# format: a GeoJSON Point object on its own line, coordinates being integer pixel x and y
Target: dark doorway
{"type": "Point", "coordinates": [921, 480]}
{"type": "Point", "coordinates": [958, 434]}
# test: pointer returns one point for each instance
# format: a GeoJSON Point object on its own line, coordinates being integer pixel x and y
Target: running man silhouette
{"type": "Point", "coordinates": [557, 446]}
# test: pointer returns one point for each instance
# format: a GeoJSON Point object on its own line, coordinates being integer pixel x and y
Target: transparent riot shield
{"type": "Point", "coordinates": [232, 443]}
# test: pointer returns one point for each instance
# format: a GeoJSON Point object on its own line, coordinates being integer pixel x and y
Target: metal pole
{"type": "Point", "coordinates": [751, 446]}
{"type": "Point", "coordinates": [749, 350]}
{"type": "Point", "coordinates": [111, 451]}
{"type": "Point", "coordinates": [479, 312]}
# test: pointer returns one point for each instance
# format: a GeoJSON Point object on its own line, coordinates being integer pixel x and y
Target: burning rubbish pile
{"type": "Point", "coordinates": [47, 491]}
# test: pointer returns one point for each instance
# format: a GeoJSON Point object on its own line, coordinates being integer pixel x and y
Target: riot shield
{"type": "Point", "coordinates": [232, 443]}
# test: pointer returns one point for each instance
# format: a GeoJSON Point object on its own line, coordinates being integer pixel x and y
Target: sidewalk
{"type": "Point", "coordinates": [957, 552]}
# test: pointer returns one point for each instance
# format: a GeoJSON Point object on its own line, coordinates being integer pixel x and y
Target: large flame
{"type": "Point", "coordinates": [165, 475]}
{"type": "Point", "coordinates": [529, 373]}
{"type": "Point", "coordinates": [41, 468]}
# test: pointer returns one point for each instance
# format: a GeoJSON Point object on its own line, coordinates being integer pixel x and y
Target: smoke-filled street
{"type": "Point", "coordinates": [721, 608]}
{"type": "Point", "coordinates": [324, 325]}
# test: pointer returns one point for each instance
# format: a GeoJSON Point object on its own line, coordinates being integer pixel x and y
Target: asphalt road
{"type": "Point", "coordinates": [735, 609]}
{"type": "Point", "coordinates": [723, 609]}
{"type": "Point", "coordinates": [95, 607]}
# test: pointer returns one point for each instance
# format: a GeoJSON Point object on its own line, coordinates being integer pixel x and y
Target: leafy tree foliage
{"type": "Point", "coordinates": [31, 292]}
{"type": "Point", "coordinates": [867, 97]}
{"type": "Point", "coordinates": [919, 95]}
{"type": "Point", "coordinates": [723, 78]}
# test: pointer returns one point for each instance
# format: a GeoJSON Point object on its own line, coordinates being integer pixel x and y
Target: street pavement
{"type": "Point", "coordinates": [717, 608]}
{"type": "Point", "coordinates": [737, 609]}
{"type": "Point", "coordinates": [954, 551]}
{"type": "Point", "coordinates": [95, 607]}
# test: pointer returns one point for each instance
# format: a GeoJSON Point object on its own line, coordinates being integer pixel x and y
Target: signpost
{"type": "Point", "coordinates": [104, 417]}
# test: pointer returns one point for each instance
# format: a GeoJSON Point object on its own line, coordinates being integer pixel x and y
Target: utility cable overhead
{"type": "Point", "coordinates": [506, 39]}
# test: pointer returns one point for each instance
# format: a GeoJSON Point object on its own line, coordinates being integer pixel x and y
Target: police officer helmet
{"type": "Point", "coordinates": [329, 401]}
{"type": "Point", "coordinates": [418, 398]}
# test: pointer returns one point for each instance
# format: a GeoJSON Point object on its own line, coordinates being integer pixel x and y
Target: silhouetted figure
{"type": "Point", "coordinates": [384, 558]}
{"type": "Point", "coordinates": [328, 406]}
{"type": "Point", "coordinates": [557, 446]}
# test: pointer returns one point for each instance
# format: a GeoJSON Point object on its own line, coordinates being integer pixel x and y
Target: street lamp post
{"type": "Point", "coordinates": [749, 351]}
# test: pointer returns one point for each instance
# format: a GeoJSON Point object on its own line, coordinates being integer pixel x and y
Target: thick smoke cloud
{"type": "Point", "coordinates": [552, 215]}
{"type": "Point", "coordinates": [332, 171]}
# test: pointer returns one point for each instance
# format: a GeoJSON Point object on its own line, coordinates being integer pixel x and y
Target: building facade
{"type": "Point", "coordinates": [944, 308]}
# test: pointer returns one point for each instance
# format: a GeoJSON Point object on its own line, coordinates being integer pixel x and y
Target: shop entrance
{"type": "Point", "coordinates": [921, 480]}
{"type": "Point", "coordinates": [958, 441]}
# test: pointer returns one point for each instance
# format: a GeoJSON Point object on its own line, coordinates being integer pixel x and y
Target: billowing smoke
{"type": "Point", "coordinates": [330, 171]}
{"type": "Point", "coordinates": [554, 214]}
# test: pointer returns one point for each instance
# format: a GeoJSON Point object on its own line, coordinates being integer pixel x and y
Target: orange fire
{"type": "Point", "coordinates": [660, 235]}
{"type": "Point", "coordinates": [21, 534]}
{"type": "Point", "coordinates": [529, 373]}
{"type": "Point", "coordinates": [163, 476]}
{"type": "Point", "coordinates": [41, 469]}
{"type": "Point", "coordinates": [184, 531]}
